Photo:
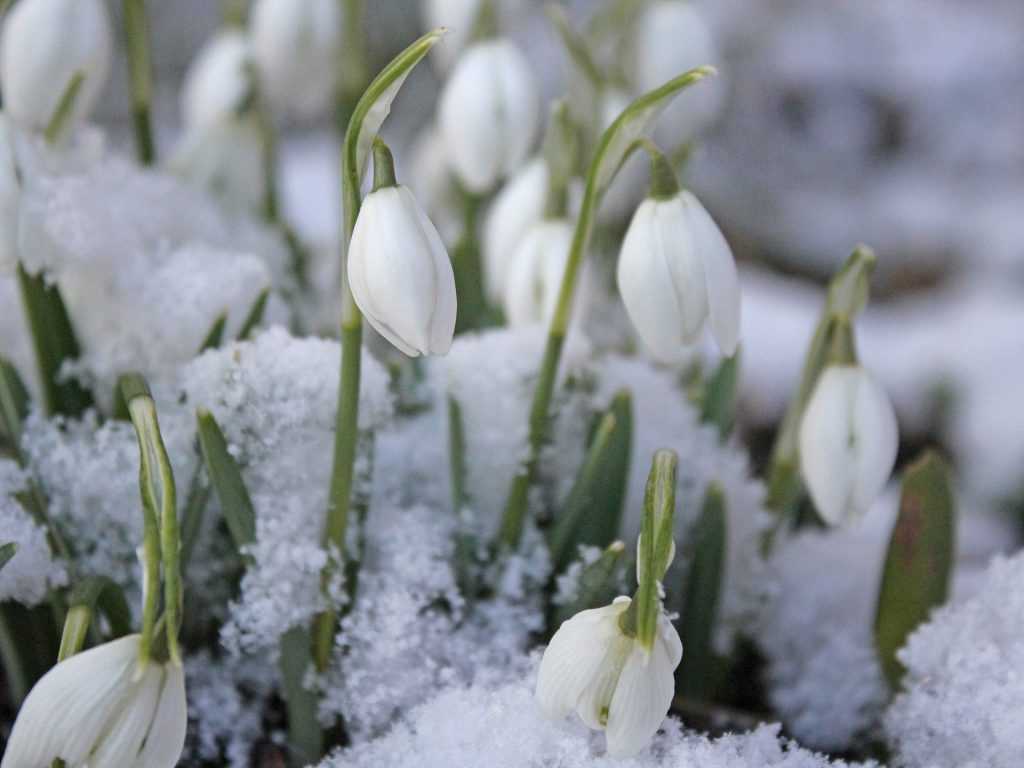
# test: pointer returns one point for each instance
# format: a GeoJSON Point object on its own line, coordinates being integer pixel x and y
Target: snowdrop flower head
{"type": "Point", "coordinates": [516, 208]}
{"type": "Point", "coordinates": [848, 441]}
{"type": "Point", "coordinates": [535, 273]}
{"type": "Point", "coordinates": [458, 16]}
{"type": "Point", "coordinates": [398, 268]}
{"type": "Point", "coordinates": [226, 159]}
{"type": "Point", "coordinates": [100, 709]}
{"type": "Point", "coordinates": [10, 196]}
{"type": "Point", "coordinates": [488, 113]}
{"type": "Point", "coordinates": [675, 272]}
{"type": "Point", "coordinates": [218, 83]}
{"type": "Point", "coordinates": [45, 44]}
{"type": "Point", "coordinates": [609, 678]}
{"type": "Point", "coordinates": [295, 46]}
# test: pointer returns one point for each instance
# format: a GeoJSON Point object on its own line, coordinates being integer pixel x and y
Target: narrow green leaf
{"type": "Point", "coordinates": [919, 561]}
{"type": "Point", "coordinates": [585, 78]}
{"type": "Point", "coordinates": [465, 540]}
{"type": "Point", "coordinates": [7, 551]}
{"type": "Point", "coordinates": [226, 479]}
{"type": "Point", "coordinates": [14, 402]}
{"type": "Point", "coordinates": [305, 739]}
{"type": "Point", "coordinates": [215, 336]}
{"type": "Point", "coordinates": [700, 606]}
{"type": "Point", "coordinates": [29, 641]}
{"type": "Point", "coordinates": [598, 584]}
{"type": "Point", "coordinates": [592, 513]}
{"type": "Point", "coordinates": [65, 108]}
{"type": "Point", "coordinates": [719, 405]}
{"type": "Point", "coordinates": [255, 316]}
{"type": "Point", "coordinates": [192, 515]}
{"type": "Point", "coordinates": [53, 338]}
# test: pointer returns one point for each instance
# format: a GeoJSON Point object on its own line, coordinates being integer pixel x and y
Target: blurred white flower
{"type": "Point", "coordinates": [434, 185]}
{"type": "Point", "coordinates": [488, 113]}
{"type": "Point", "coordinates": [218, 83]}
{"type": "Point", "coordinates": [848, 442]}
{"type": "Point", "coordinates": [535, 273]}
{"type": "Point", "coordinates": [458, 16]}
{"type": "Point", "coordinates": [400, 273]}
{"type": "Point", "coordinates": [45, 43]}
{"type": "Point", "coordinates": [609, 678]}
{"type": "Point", "coordinates": [10, 196]}
{"type": "Point", "coordinates": [295, 46]}
{"type": "Point", "coordinates": [672, 37]}
{"type": "Point", "coordinates": [226, 159]}
{"type": "Point", "coordinates": [99, 709]}
{"type": "Point", "coordinates": [627, 189]}
{"type": "Point", "coordinates": [675, 272]}
{"type": "Point", "coordinates": [516, 208]}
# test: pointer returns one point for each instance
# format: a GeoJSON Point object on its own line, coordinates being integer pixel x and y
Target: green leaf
{"type": "Point", "coordinates": [598, 584]}
{"type": "Point", "coordinates": [192, 515]}
{"type": "Point", "coordinates": [54, 341]}
{"type": "Point", "coordinates": [255, 316]}
{"type": "Point", "coordinates": [7, 551]}
{"type": "Point", "coordinates": [29, 641]}
{"type": "Point", "coordinates": [719, 404]}
{"type": "Point", "coordinates": [215, 336]}
{"type": "Point", "coordinates": [585, 78]}
{"type": "Point", "coordinates": [305, 739]}
{"type": "Point", "coordinates": [226, 479]}
{"type": "Point", "coordinates": [14, 402]}
{"type": "Point", "coordinates": [465, 539]}
{"type": "Point", "coordinates": [65, 108]}
{"type": "Point", "coordinates": [700, 606]}
{"type": "Point", "coordinates": [919, 561]}
{"type": "Point", "coordinates": [592, 513]}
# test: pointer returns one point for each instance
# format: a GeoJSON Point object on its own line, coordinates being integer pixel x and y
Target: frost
{"type": "Point", "coordinates": [32, 572]}
{"type": "Point", "coordinates": [500, 725]}
{"type": "Point", "coordinates": [963, 694]}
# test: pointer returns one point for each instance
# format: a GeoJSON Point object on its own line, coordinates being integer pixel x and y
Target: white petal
{"type": "Point", "coordinates": [594, 704]}
{"type": "Point", "coordinates": [723, 287]}
{"type": "Point", "coordinates": [442, 321]}
{"type": "Point", "coordinates": [217, 82]}
{"type": "Point", "coordinates": [68, 709]}
{"type": "Point", "coordinates": [877, 438]}
{"type": "Point", "coordinates": [517, 207]}
{"type": "Point", "coordinates": [641, 701]}
{"type": "Point", "coordinates": [574, 656]}
{"type": "Point", "coordinates": [166, 738]}
{"type": "Point", "coordinates": [123, 737]}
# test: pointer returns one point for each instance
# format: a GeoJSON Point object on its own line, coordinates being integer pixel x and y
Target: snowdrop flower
{"type": "Point", "coordinates": [676, 271]}
{"type": "Point", "coordinates": [99, 709]}
{"type": "Point", "coordinates": [458, 16]}
{"type": "Point", "coordinates": [295, 46]}
{"type": "Point", "coordinates": [226, 159]}
{"type": "Point", "coordinates": [398, 269]}
{"type": "Point", "coordinates": [848, 442]}
{"type": "Point", "coordinates": [45, 44]}
{"type": "Point", "coordinates": [432, 182]}
{"type": "Point", "coordinates": [488, 113]}
{"type": "Point", "coordinates": [516, 208]}
{"type": "Point", "coordinates": [218, 83]}
{"type": "Point", "coordinates": [671, 38]}
{"type": "Point", "coordinates": [10, 196]}
{"type": "Point", "coordinates": [609, 678]}
{"type": "Point", "coordinates": [535, 273]}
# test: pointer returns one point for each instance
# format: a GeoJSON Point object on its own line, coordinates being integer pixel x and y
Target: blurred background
{"type": "Point", "coordinates": [896, 124]}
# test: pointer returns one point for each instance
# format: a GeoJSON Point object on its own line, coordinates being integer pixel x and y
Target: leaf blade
{"type": "Point", "coordinates": [226, 479]}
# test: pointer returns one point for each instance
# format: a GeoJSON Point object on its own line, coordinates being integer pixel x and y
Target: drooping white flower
{"type": "Point", "coordinates": [10, 196]}
{"type": "Point", "coordinates": [45, 44]}
{"type": "Point", "coordinates": [535, 273]}
{"type": "Point", "coordinates": [615, 684]}
{"type": "Point", "coordinates": [99, 709]}
{"type": "Point", "coordinates": [848, 442]}
{"type": "Point", "coordinates": [458, 17]}
{"type": "Point", "coordinates": [225, 158]}
{"type": "Point", "coordinates": [432, 182]}
{"type": "Point", "coordinates": [400, 273]}
{"type": "Point", "coordinates": [516, 208]}
{"type": "Point", "coordinates": [218, 82]}
{"type": "Point", "coordinates": [295, 46]}
{"type": "Point", "coordinates": [675, 271]}
{"type": "Point", "coordinates": [672, 37]}
{"type": "Point", "coordinates": [488, 113]}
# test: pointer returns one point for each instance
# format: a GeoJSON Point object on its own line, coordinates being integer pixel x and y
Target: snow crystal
{"type": "Point", "coordinates": [276, 399]}
{"type": "Point", "coordinates": [963, 694]}
{"type": "Point", "coordinates": [817, 630]}
{"type": "Point", "coordinates": [32, 572]}
{"type": "Point", "coordinates": [500, 725]}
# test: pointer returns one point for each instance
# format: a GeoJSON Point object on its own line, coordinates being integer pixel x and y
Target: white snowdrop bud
{"type": "Point", "coordinates": [535, 273]}
{"type": "Point", "coordinates": [516, 208]}
{"type": "Point", "coordinates": [398, 269]}
{"type": "Point", "coordinates": [676, 271]}
{"type": "Point", "coordinates": [45, 44]}
{"type": "Point", "coordinates": [672, 37]}
{"type": "Point", "coordinates": [848, 442]}
{"type": "Point", "coordinates": [458, 16]}
{"type": "Point", "coordinates": [296, 45]}
{"type": "Point", "coordinates": [218, 82]}
{"type": "Point", "coordinates": [98, 708]}
{"type": "Point", "coordinates": [488, 113]}
{"type": "Point", "coordinates": [432, 182]}
{"type": "Point", "coordinates": [613, 682]}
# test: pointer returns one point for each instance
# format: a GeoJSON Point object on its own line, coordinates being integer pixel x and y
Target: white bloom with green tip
{"type": "Point", "coordinates": [535, 273]}
{"type": "Point", "coordinates": [675, 272]}
{"type": "Point", "coordinates": [488, 113]}
{"type": "Point", "coordinates": [400, 273]}
{"type": "Point", "coordinates": [218, 82]}
{"type": "Point", "coordinates": [45, 44]}
{"type": "Point", "coordinates": [848, 442]}
{"type": "Point", "coordinates": [98, 709]}
{"type": "Point", "coordinates": [609, 678]}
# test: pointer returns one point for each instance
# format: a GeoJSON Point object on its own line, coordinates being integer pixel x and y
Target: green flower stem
{"type": "Point", "coordinates": [352, 69]}
{"type": "Point", "coordinates": [161, 539]}
{"type": "Point", "coordinates": [140, 70]}
{"type": "Point", "coordinates": [76, 628]}
{"type": "Point", "coordinates": [615, 145]}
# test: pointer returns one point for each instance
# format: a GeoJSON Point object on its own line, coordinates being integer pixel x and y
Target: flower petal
{"type": "Point", "coordinates": [877, 440]}
{"type": "Point", "coordinates": [723, 287]}
{"type": "Point", "coordinates": [641, 700]}
{"type": "Point", "coordinates": [166, 738]}
{"type": "Point", "coordinates": [123, 736]}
